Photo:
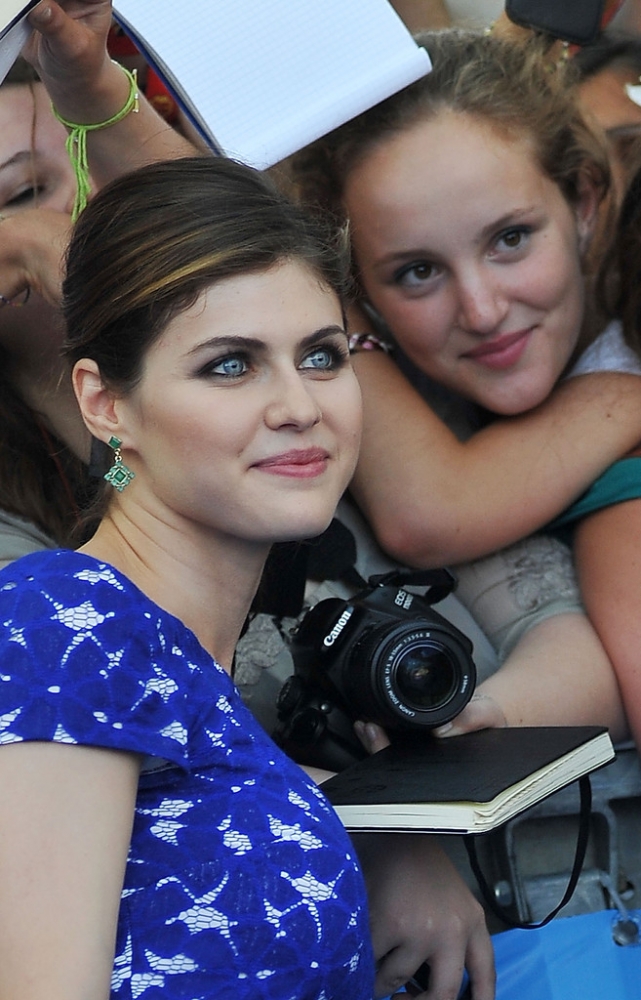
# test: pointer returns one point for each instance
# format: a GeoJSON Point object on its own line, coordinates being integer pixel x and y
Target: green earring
{"type": "Point", "coordinates": [119, 475]}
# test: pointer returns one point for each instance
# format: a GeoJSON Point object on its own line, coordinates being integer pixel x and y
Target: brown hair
{"type": "Point", "coordinates": [619, 281]}
{"type": "Point", "coordinates": [511, 85]}
{"type": "Point", "coordinates": [41, 480]}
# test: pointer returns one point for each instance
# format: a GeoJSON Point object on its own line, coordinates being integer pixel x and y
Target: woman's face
{"type": "Point", "coordinates": [247, 416]}
{"type": "Point", "coordinates": [34, 166]}
{"type": "Point", "coordinates": [471, 255]}
{"type": "Point", "coordinates": [35, 173]}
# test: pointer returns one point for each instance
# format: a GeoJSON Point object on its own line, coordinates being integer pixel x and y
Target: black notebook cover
{"type": "Point", "coordinates": [470, 769]}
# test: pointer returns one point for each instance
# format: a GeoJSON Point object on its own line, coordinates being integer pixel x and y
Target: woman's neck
{"type": "Point", "coordinates": [206, 581]}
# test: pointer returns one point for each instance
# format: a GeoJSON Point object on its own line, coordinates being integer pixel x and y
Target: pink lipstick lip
{"type": "Point", "coordinates": [501, 352]}
{"type": "Point", "coordinates": [299, 463]}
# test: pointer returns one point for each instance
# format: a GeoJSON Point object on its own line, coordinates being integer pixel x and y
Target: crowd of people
{"type": "Point", "coordinates": [199, 368]}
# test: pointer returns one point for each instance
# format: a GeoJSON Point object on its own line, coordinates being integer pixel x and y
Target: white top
{"type": "Point", "coordinates": [608, 353]}
{"type": "Point", "coordinates": [18, 537]}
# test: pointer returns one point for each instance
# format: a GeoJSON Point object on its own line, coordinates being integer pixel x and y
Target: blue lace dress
{"type": "Point", "coordinates": [240, 880]}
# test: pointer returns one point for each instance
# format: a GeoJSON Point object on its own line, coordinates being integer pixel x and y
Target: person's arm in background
{"type": "Point", "coordinates": [607, 549]}
{"type": "Point", "coordinates": [69, 50]}
{"type": "Point", "coordinates": [432, 500]}
{"type": "Point", "coordinates": [420, 910]}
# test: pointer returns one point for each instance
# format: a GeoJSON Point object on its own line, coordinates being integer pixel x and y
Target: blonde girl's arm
{"type": "Point", "coordinates": [66, 816]}
{"type": "Point", "coordinates": [433, 500]}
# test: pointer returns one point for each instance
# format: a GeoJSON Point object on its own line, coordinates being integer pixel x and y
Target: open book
{"type": "Point", "coordinates": [14, 31]}
{"type": "Point", "coordinates": [262, 78]}
{"type": "Point", "coordinates": [464, 784]}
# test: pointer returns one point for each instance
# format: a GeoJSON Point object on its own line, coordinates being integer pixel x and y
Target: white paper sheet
{"type": "Point", "coordinates": [268, 76]}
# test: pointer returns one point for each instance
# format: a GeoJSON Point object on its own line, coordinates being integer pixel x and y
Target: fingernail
{"type": "Point", "coordinates": [41, 13]}
{"type": "Point", "coordinates": [364, 733]}
{"type": "Point", "coordinates": [446, 730]}
{"type": "Point", "coordinates": [371, 733]}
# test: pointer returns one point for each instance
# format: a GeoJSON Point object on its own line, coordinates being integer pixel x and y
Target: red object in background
{"type": "Point", "coordinates": [612, 7]}
{"type": "Point", "coordinates": [120, 46]}
{"type": "Point", "coordinates": [158, 95]}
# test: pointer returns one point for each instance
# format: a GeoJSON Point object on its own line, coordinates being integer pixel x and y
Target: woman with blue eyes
{"type": "Point", "coordinates": [472, 198]}
{"type": "Point", "coordinates": [155, 841]}
{"type": "Point", "coordinates": [184, 854]}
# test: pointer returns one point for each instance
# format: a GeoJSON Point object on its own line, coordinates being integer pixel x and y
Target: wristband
{"type": "Point", "coordinates": [77, 141]}
{"type": "Point", "coordinates": [358, 342]}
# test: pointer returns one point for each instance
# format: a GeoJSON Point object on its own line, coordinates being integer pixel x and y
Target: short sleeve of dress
{"type": "Point", "coordinates": [85, 659]}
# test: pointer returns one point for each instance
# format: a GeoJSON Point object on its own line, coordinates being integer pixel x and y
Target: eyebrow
{"type": "Point", "coordinates": [512, 218]}
{"type": "Point", "coordinates": [17, 158]}
{"type": "Point", "coordinates": [257, 344]}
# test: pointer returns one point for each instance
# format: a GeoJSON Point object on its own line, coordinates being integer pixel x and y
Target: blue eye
{"type": "Point", "coordinates": [320, 358]}
{"type": "Point", "coordinates": [327, 358]}
{"type": "Point", "coordinates": [233, 366]}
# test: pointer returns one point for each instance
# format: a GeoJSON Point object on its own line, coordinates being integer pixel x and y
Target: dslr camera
{"type": "Point", "coordinates": [384, 656]}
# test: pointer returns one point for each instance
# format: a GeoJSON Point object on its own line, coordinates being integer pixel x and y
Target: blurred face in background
{"type": "Point", "coordinates": [610, 96]}
{"type": "Point", "coordinates": [34, 167]}
{"type": "Point", "coordinates": [35, 172]}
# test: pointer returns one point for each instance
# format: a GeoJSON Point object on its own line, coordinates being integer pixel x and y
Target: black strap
{"type": "Point", "coordinates": [579, 857]}
{"type": "Point", "coordinates": [330, 556]}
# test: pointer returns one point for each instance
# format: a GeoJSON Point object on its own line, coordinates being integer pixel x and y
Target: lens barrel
{"type": "Point", "coordinates": [401, 675]}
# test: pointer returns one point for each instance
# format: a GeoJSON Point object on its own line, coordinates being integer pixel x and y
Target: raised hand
{"type": "Point", "coordinates": [69, 50]}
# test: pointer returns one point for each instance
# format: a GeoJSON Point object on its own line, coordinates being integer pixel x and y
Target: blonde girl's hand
{"type": "Point", "coordinates": [69, 38]}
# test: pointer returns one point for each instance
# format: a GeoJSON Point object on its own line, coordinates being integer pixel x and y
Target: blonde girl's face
{"type": "Point", "coordinates": [473, 258]}
{"type": "Point", "coordinates": [34, 166]}
{"type": "Point", "coordinates": [246, 421]}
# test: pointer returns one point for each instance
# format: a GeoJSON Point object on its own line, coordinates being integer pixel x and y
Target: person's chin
{"type": "Point", "coordinates": [520, 396]}
{"type": "Point", "coordinates": [299, 525]}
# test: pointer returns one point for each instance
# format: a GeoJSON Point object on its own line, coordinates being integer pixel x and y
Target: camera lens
{"type": "Point", "coordinates": [425, 675]}
{"type": "Point", "coordinates": [402, 676]}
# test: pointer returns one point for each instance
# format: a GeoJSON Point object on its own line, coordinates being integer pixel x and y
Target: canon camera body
{"type": "Point", "coordinates": [384, 656]}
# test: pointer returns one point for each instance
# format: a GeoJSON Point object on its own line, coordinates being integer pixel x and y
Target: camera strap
{"type": "Point", "coordinates": [579, 857]}
{"type": "Point", "coordinates": [330, 556]}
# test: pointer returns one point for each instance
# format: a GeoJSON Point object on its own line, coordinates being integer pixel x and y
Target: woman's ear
{"type": "Point", "coordinates": [96, 402]}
